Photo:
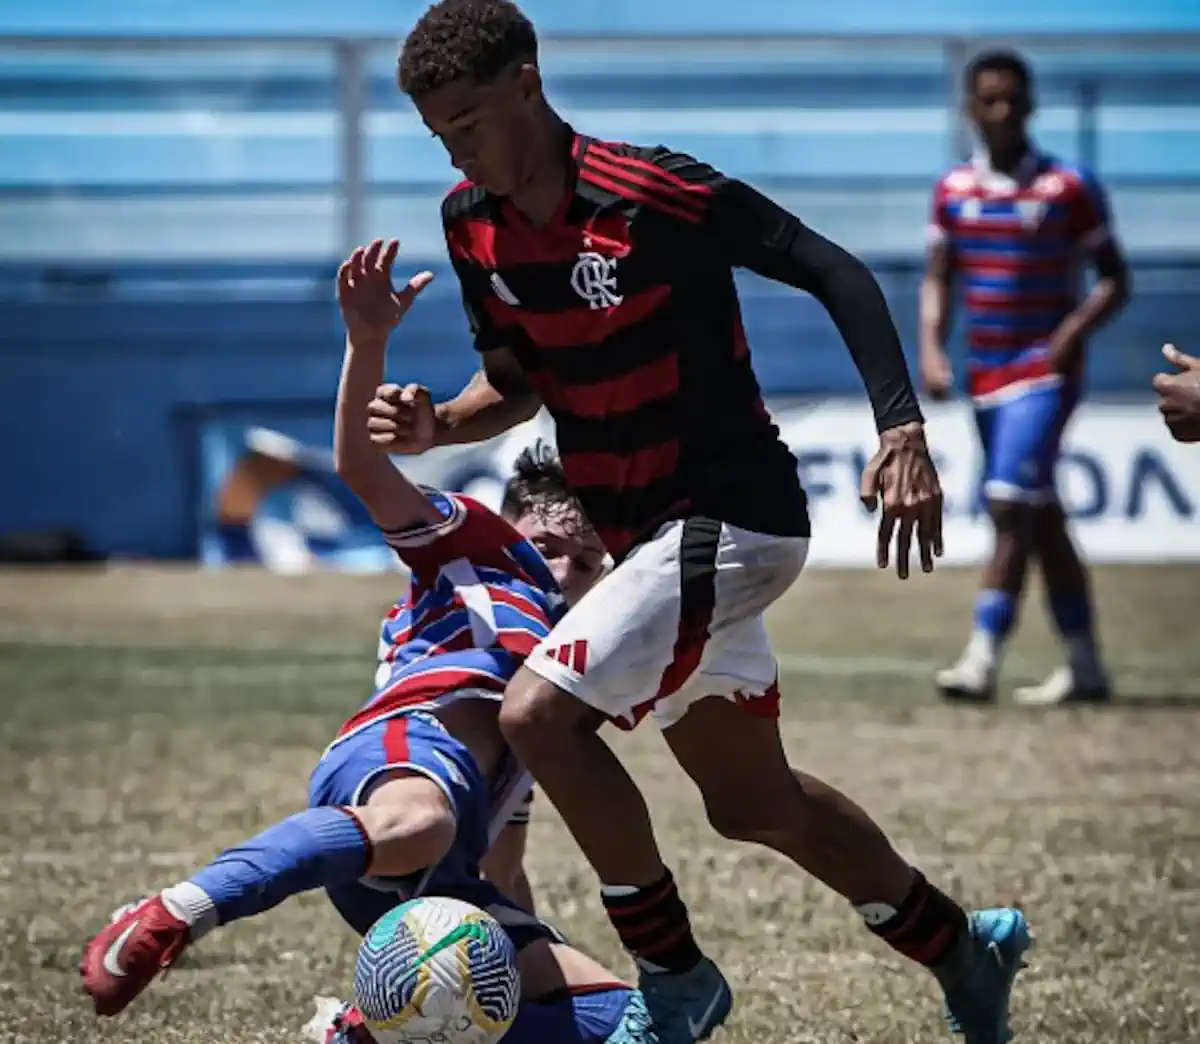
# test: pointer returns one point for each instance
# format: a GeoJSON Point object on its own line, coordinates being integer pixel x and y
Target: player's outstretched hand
{"type": "Point", "coordinates": [902, 475]}
{"type": "Point", "coordinates": [371, 306]}
{"type": "Point", "coordinates": [1179, 395]}
{"type": "Point", "coordinates": [401, 420]}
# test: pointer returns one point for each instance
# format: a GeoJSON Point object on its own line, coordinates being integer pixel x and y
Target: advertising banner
{"type": "Point", "coordinates": [1131, 491]}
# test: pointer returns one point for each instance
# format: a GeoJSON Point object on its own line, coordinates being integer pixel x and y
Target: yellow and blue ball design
{"type": "Point", "coordinates": [437, 968]}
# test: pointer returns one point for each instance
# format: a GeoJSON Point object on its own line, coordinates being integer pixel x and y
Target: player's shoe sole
{"type": "Point", "coordinates": [961, 694]}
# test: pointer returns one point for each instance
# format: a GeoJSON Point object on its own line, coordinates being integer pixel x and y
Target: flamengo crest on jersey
{"type": "Point", "coordinates": [1018, 243]}
{"type": "Point", "coordinates": [480, 599]}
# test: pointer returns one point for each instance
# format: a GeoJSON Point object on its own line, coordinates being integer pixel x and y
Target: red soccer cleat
{"type": "Point", "coordinates": [123, 959]}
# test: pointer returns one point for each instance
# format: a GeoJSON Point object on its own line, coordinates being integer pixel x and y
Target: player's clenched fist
{"type": "Point", "coordinates": [371, 306]}
{"type": "Point", "coordinates": [401, 420]}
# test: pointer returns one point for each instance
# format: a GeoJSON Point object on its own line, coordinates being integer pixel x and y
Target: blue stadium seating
{"type": "Point", "coordinates": [169, 221]}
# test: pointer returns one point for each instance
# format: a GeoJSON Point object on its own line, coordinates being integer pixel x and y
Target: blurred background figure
{"type": "Point", "coordinates": [1015, 226]}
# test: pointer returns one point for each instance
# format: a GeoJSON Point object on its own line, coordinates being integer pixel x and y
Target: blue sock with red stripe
{"type": "Point", "coordinates": [317, 847]}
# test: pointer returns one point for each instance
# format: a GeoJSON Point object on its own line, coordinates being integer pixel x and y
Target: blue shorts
{"type": "Point", "coordinates": [419, 743]}
{"type": "Point", "coordinates": [585, 1018]}
{"type": "Point", "coordinates": [1021, 439]}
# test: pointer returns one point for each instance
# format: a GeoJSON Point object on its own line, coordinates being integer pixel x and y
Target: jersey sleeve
{"type": "Point", "coordinates": [1090, 220]}
{"type": "Point", "coordinates": [426, 548]}
{"type": "Point", "coordinates": [468, 530]}
{"type": "Point", "coordinates": [742, 228]}
{"type": "Point", "coordinates": [939, 228]}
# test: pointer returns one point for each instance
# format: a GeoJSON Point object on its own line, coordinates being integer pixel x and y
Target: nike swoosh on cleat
{"type": "Point", "coordinates": [697, 1026]}
{"type": "Point", "coordinates": [112, 954]}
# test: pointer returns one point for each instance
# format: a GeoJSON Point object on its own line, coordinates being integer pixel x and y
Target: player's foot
{"type": "Point", "coordinates": [971, 680]}
{"type": "Point", "coordinates": [637, 1027]}
{"type": "Point", "coordinates": [1067, 685]}
{"type": "Point", "coordinates": [978, 977]}
{"type": "Point", "coordinates": [336, 1022]}
{"type": "Point", "coordinates": [688, 1007]}
{"type": "Point", "coordinates": [123, 959]}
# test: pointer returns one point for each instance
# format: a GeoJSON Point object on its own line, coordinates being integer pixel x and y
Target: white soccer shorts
{"type": "Point", "coordinates": [680, 619]}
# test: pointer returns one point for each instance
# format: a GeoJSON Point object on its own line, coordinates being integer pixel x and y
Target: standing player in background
{"type": "Point", "coordinates": [1015, 225]}
{"type": "Point", "coordinates": [598, 279]}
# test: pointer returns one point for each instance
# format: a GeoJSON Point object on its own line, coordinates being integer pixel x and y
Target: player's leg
{"type": "Point", "coordinates": [608, 660]}
{"type": "Point", "coordinates": [735, 755]}
{"type": "Point", "coordinates": [556, 735]}
{"type": "Point", "coordinates": [613, 1014]}
{"type": "Point", "coordinates": [567, 995]}
{"type": "Point", "coordinates": [1067, 585]}
{"type": "Point", "coordinates": [504, 864]}
{"type": "Point", "coordinates": [1005, 436]}
{"type": "Point", "coordinates": [379, 810]}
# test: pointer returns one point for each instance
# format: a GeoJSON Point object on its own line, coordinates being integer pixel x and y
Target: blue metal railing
{"type": "Point", "coordinates": [1150, 79]}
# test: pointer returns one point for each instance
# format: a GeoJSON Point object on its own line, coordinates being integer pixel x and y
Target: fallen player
{"type": "Point", "coordinates": [407, 797]}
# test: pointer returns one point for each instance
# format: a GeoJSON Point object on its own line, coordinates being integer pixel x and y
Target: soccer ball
{"type": "Point", "coordinates": [437, 970]}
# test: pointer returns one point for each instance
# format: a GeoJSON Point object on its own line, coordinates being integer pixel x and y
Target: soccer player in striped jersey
{"type": "Point", "coordinates": [407, 798]}
{"type": "Point", "coordinates": [1014, 226]}
{"type": "Point", "coordinates": [598, 279]}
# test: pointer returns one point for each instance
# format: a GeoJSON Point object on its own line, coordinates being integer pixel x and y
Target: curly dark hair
{"type": "Point", "coordinates": [1000, 60]}
{"type": "Point", "coordinates": [538, 483]}
{"type": "Point", "coordinates": [464, 39]}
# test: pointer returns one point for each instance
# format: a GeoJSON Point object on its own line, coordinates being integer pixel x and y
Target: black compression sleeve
{"type": "Point", "coordinates": [763, 237]}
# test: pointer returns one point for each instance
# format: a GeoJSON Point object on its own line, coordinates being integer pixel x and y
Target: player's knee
{"type": "Point", "coordinates": [1014, 521]}
{"type": "Point", "coordinates": [537, 716]}
{"type": "Point", "coordinates": [410, 828]}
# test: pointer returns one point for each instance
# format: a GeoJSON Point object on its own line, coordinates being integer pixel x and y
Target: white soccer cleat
{"type": "Point", "coordinates": [1067, 685]}
{"type": "Point", "coordinates": [971, 680]}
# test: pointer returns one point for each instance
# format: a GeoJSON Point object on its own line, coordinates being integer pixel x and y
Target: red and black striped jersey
{"type": "Point", "coordinates": [624, 315]}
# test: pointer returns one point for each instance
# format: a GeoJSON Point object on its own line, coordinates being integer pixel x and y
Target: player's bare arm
{"type": "Point", "coordinates": [1107, 297]}
{"type": "Point", "coordinates": [496, 399]}
{"type": "Point", "coordinates": [372, 308]}
{"type": "Point", "coordinates": [762, 236]}
{"type": "Point", "coordinates": [935, 306]}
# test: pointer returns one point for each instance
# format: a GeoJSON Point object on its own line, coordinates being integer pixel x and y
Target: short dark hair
{"type": "Point", "coordinates": [1000, 60]}
{"type": "Point", "coordinates": [538, 482]}
{"type": "Point", "coordinates": [464, 40]}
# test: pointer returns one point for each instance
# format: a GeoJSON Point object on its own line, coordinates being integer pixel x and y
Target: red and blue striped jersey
{"type": "Point", "coordinates": [1018, 243]}
{"type": "Point", "coordinates": [480, 599]}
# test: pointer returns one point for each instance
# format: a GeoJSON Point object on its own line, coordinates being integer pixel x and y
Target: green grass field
{"type": "Point", "coordinates": [152, 717]}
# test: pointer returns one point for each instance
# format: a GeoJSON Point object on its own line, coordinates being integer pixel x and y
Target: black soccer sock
{"type": "Point", "coordinates": [653, 925]}
{"type": "Point", "coordinates": [924, 928]}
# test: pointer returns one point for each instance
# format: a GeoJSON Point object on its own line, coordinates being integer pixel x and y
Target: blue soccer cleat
{"type": "Point", "coordinates": [978, 977]}
{"type": "Point", "coordinates": [687, 1008]}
